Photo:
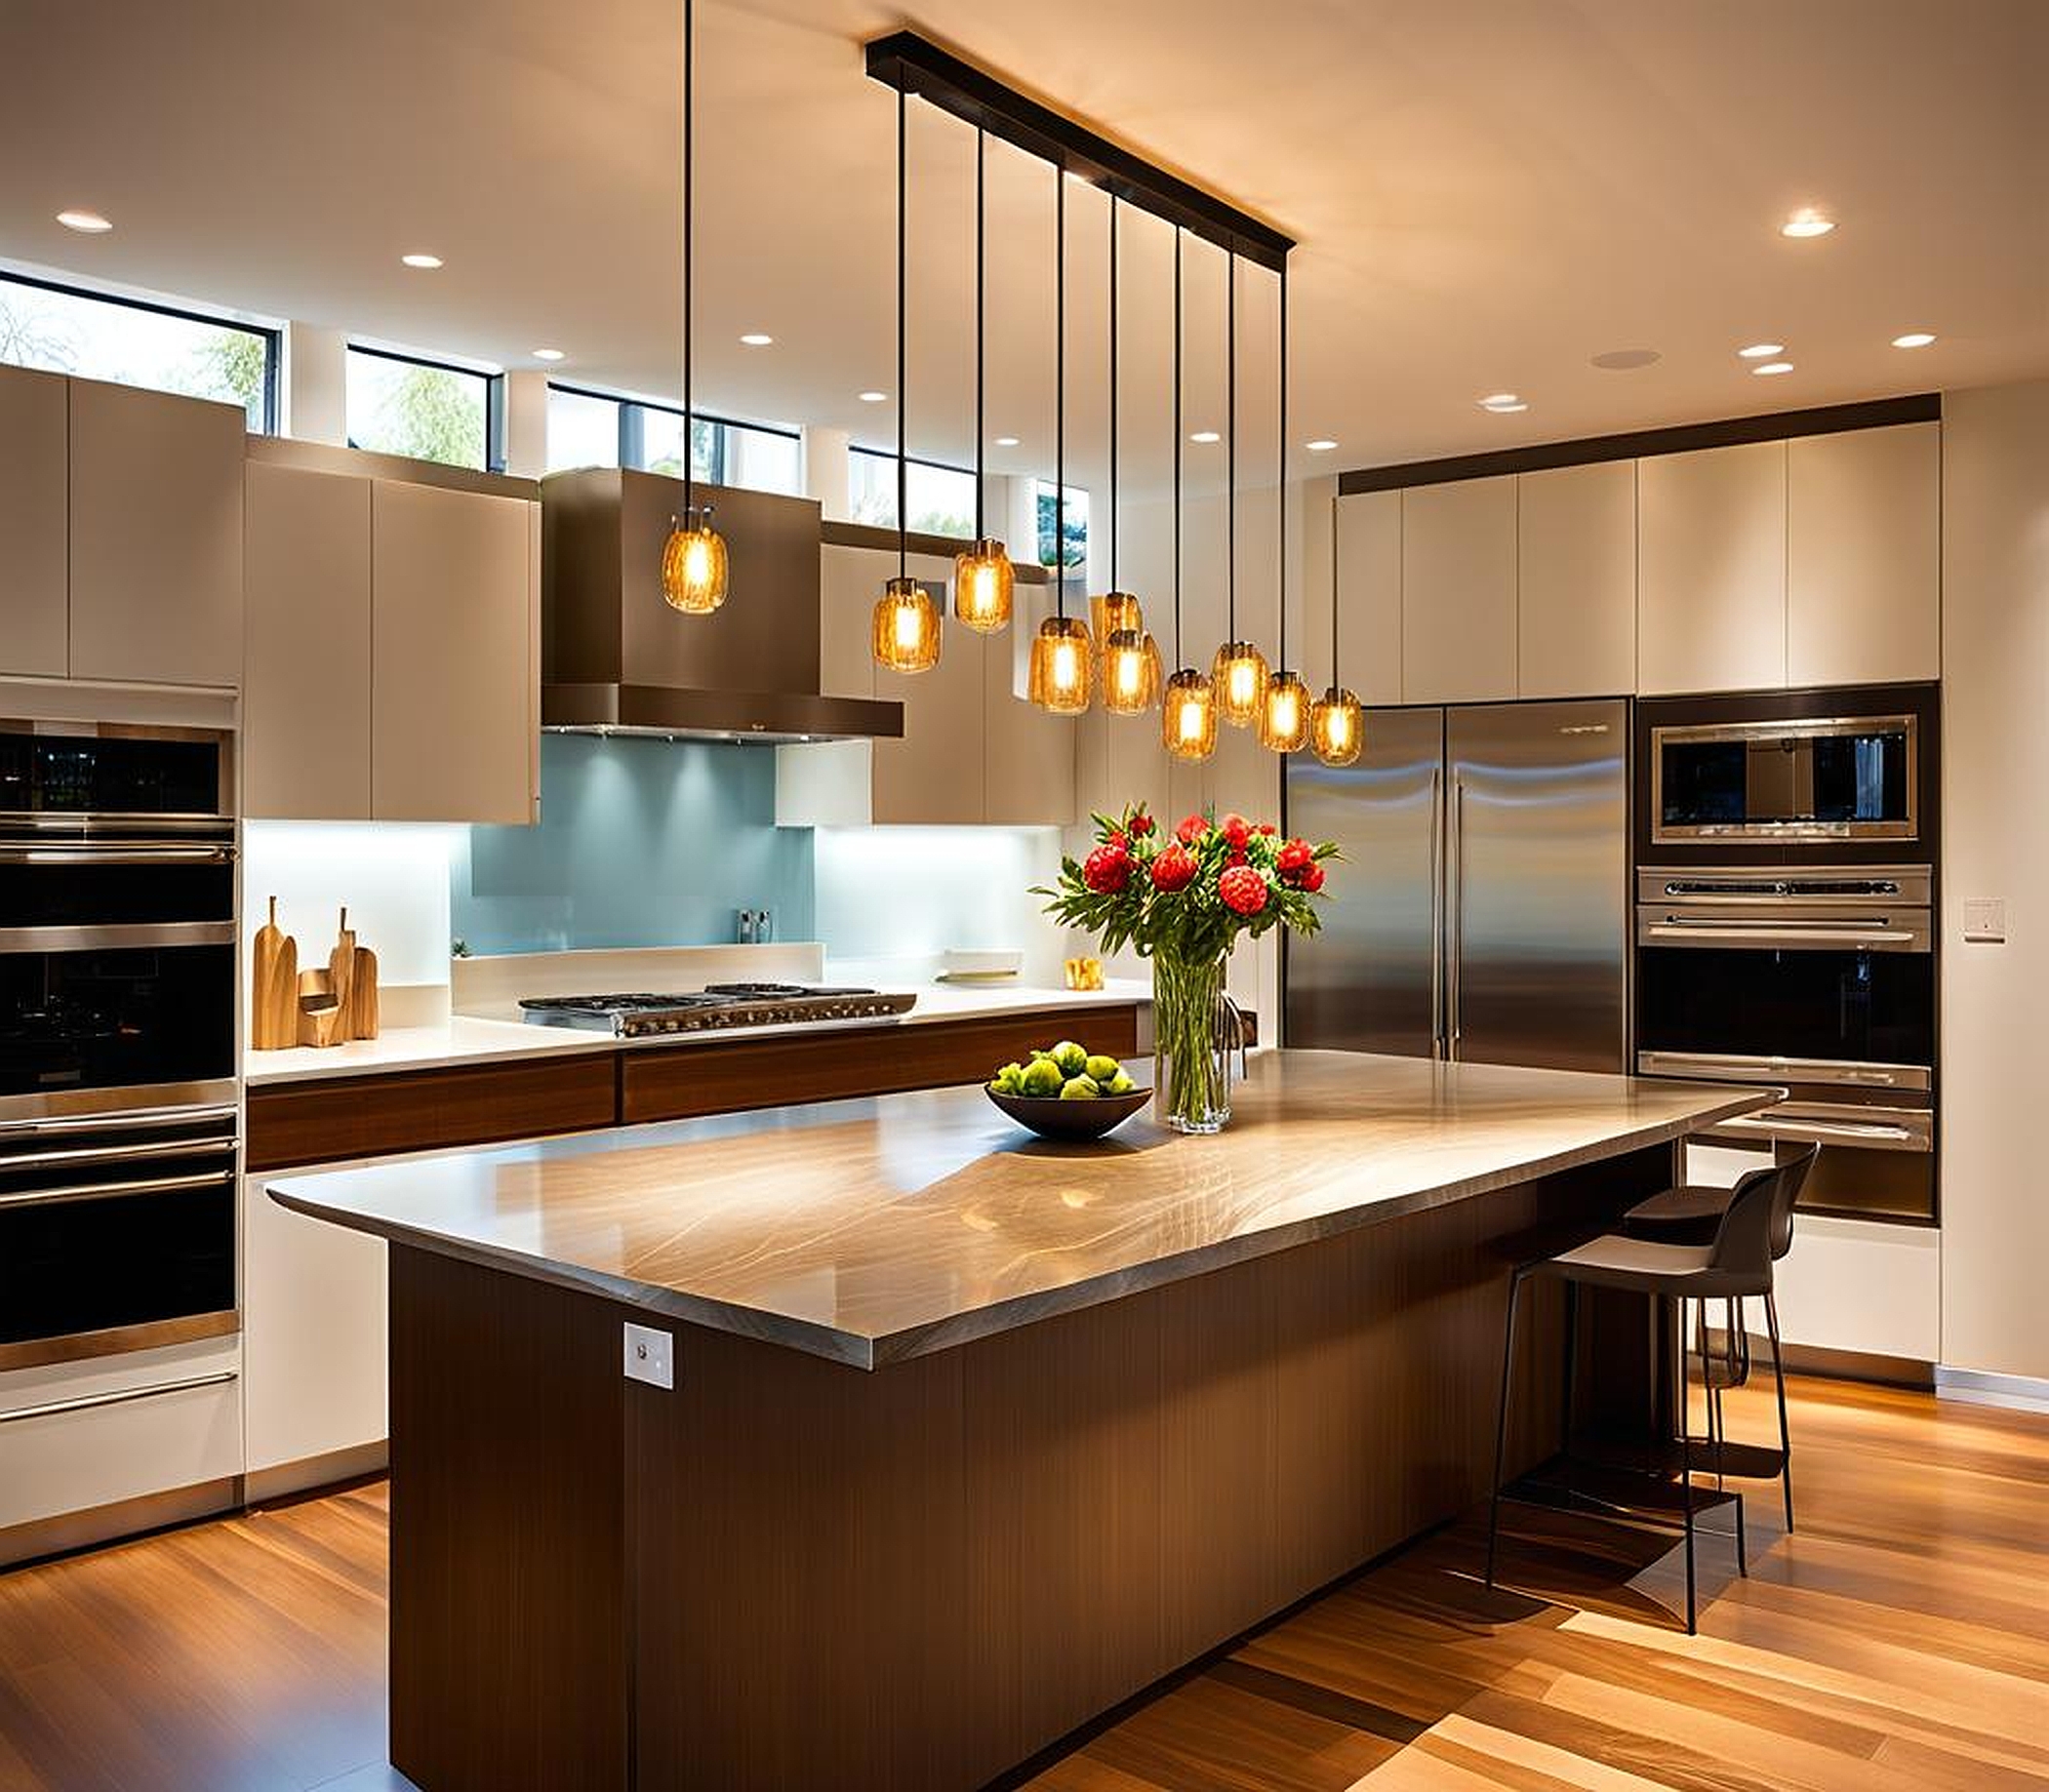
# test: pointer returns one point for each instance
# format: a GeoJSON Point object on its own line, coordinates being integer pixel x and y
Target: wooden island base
{"type": "Point", "coordinates": [792, 1572]}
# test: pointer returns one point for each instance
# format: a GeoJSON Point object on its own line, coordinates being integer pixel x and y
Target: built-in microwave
{"type": "Point", "coordinates": [1818, 775]}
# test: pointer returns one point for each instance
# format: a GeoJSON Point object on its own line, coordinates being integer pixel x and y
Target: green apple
{"type": "Point", "coordinates": [1041, 1077]}
{"type": "Point", "coordinates": [1079, 1089]}
{"type": "Point", "coordinates": [1120, 1084]}
{"type": "Point", "coordinates": [1072, 1059]}
{"type": "Point", "coordinates": [1102, 1070]}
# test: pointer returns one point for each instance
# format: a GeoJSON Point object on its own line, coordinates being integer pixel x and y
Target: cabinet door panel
{"type": "Point", "coordinates": [35, 548]}
{"type": "Point", "coordinates": [1369, 593]}
{"type": "Point", "coordinates": [1575, 580]}
{"type": "Point", "coordinates": [1457, 592]}
{"type": "Point", "coordinates": [453, 695]}
{"type": "Point", "coordinates": [1711, 569]}
{"type": "Point", "coordinates": [1864, 556]}
{"type": "Point", "coordinates": [156, 537]}
{"type": "Point", "coordinates": [933, 776]}
{"type": "Point", "coordinates": [305, 693]}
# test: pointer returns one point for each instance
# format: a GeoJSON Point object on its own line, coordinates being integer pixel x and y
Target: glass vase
{"type": "Point", "coordinates": [1190, 1043]}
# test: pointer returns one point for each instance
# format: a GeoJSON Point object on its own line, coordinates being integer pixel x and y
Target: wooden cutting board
{"type": "Point", "coordinates": [342, 974]}
{"type": "Point", "coordinates": [360, 1019]}
{"type": "Point", "coordinates": [273, 1017]}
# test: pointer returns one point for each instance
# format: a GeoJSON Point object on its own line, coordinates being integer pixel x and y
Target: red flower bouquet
{"type": "Point", "coordinates": [1182, 900]}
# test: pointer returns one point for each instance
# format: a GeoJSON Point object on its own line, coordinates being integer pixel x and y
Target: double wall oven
{"type": "Point", "coordinates": [1785, 925]}
{"type": "Point", "coordinates": [118, 1000]}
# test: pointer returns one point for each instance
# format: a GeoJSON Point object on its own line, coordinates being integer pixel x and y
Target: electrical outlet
{"type": "Point", "coordinates": [651, 1356]}
{"type": "Point", "coordinates": [1985, 920]}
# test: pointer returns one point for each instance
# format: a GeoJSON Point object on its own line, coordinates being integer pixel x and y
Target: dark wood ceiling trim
{"type": "Point", "coordinates": [1775, 426]}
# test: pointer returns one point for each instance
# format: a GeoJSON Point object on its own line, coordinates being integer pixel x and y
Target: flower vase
{"type": "Point", "coordinates": [1190, 1050]}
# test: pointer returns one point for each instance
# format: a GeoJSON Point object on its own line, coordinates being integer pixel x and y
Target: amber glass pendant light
{"type": "Point", "coordinates": [1284, 712]}
{"type": "Point", "coordinates": [983, 579]}
{"type": "Point", "coordinates": [906, 633]}
{"type": "Point", "coordinates": [1131, 660]}
{"type": "Point", "coordinates": [1337, 722]}
{"type": "Point", "coordinates": [1239, 669]}
{"type": "Point", "coordinates": [1188, 703]}
{"type": "Point", "coordinates": [1063, 670]}
{"type": "Point", "coordinates": [693, 557]}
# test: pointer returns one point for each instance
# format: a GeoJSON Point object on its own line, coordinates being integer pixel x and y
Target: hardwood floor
{"type": "Point", "coordinates": [1899, 1641]}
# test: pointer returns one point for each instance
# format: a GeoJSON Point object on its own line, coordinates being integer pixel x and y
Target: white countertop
{"type": "Point", "coordinates": [467, 1040]}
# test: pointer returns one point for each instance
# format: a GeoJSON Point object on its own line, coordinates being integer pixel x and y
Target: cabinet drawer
{"type": "Point", "coordinates": [734, 1075]}
{"type": "Point", "coordinates": [429, 1110]}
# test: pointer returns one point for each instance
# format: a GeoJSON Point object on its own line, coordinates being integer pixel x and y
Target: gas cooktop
{"type": "Point", "coordinates": [717, 1006]}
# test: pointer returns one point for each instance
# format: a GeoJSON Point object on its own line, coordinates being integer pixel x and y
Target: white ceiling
{"type": "Point", "coordinates": [1486, 192]}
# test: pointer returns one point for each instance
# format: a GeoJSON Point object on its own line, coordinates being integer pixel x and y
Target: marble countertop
{"type": "Point", "coordinates": [873, 1230]}
{"type": "Point", "coordinates": [464, 1039]}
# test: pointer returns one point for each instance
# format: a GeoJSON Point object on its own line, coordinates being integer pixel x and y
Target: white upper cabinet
{"type": "Point", "coordinates": [34, 546]}
{"type": "Point", "coordinates": [156, 537]}
{"type": "Point", "coordinates": [1457, 592]}
{"type": "Point", "coordinates": [1864, 556]}
{"type": "Point", "coordinates": [1370, 595]}
{"type": "Point", "coordinates": [1575, 585]}
{"type": "Point", "coordinates": [455, 637]}
{"type": "Point", "coordinates": [1710, 598]}
{"type": "Point", "coordinates": [1028, 758]}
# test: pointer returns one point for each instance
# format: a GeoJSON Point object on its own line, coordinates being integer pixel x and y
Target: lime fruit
{"type": "Point", "coordinates": [1072, 1059]}
{"type": "Point", "coordinates": [1079, 1089]}
{"type": "Point", "coordinates": [1102, 1070]}
{"type": "Point", "coordinates": [1041, 1077]}
{"type": "Point", "coordinates": [1120, 1085]}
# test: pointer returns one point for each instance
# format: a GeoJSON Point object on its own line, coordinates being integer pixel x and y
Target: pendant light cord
{"type": "Point", "coordinates": [1113, 391]}
{"type": "Point", "coordinates": [903, 397]}
{"type": "Point", "coordinates": [689, 224]}
{"type": "Point", "coordinates": [1059, 388]}
{"type": "Point", "coordinates": [1336, 681]}
{"type": "Point", "coordinates": [981, 327]}
{"type": "Point", "coordinates": [1178, 660]}
{"type": "Point", "coordinates": [1231, 452]}
{"type": "Point", "coordinates": [1280, 486]}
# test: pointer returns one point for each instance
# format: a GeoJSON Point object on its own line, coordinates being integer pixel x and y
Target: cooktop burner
{"type": "Point", "coordinates": [639, 1013]}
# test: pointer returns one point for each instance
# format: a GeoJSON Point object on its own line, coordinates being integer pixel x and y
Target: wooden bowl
{"type": "Point", "coordinates": [1050, 1117]}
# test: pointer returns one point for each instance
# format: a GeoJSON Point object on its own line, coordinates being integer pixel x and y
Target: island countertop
{"type": "Point", "coordinates": [870, 1231]}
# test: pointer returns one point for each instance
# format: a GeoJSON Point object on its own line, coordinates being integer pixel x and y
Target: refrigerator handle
{"type": "Point", "coordinates": [1438, 1028]}
{"type": "Point", "coordinates": [1455, 906]}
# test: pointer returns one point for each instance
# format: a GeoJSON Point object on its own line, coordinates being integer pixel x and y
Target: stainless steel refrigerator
{"type": "Point", "coordinates": [1481, 912]}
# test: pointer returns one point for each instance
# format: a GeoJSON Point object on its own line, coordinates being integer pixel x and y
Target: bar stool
{"type": "Point", "coordinates": [1688, 1215]}
{"type": "Point", "coordinates": [1736, 1264]}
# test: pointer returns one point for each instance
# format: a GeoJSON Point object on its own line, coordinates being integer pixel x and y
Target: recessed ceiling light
{"type": "Point", "coordinates": [1761, 351]}
{"type": "Point", "coordinates": [754, 339]}
{"type": "Point", "coordinates": [1773, 367]}
{"type": "Point", "coordinates": [1807, 221]}
{"type": "Point", "coordinates": [88, 223]}
{"type": "Point", "coordinates": [873, 398]}
{"type": "Point", "coordinates": [1503, 404]}
{"type": "Point", "coordinates": [420, 259]}
{"type": "Point", "coordinates": [1625, 360]}
{"type": "Point", "coordinates": [1914, 339]}
{"type": "Point", "coordinates": [1006, 440]}
{"type": "Point", "coordinates": [1205, 436]}
{"type": "Point", "coordinates": [547, 354]}
{"type": "Point", "coordinates": [1321, 446]}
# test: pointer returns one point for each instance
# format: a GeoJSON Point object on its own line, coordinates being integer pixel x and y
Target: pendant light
{"type": "Point", "coordinates": [984, 579]}
{"type": "Point", "coordinates": [1062, 668]}
{"type": "Point", "coordinates": [1239, 670]}
{"type": "Point", "coordinates": [1336, 723]}
{"type": "Point", "coordinates": [1188, 704]}
{"type": "Point", "coordinates": [1131, 657]}
{"type": "Point", "coordinates": [1284, 714]}
{"type": "Point", "coordinates": [693, 557]}
{"type": "Point", "coordinates": [905, 637]}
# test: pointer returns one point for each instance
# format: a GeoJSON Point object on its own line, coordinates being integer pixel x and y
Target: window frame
{"type": "Point", "coordinates": [888, 455]}
{"type": "Point", "coordinates": [494, 393]}
{"type": "Point", "coordinates": [271, 334]}
{"type": "Point", "coordinates": [632, 430]}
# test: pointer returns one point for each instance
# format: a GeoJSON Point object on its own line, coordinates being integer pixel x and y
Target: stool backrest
{"type": "Point", "coordinates": [1756, 1228]}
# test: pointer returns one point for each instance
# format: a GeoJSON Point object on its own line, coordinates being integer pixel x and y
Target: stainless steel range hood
{"type": "Point", "coordinates": [616, 659]}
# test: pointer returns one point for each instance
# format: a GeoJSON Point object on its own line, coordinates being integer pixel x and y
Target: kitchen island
{"type": "Point", "coordinates": [969, 1437]}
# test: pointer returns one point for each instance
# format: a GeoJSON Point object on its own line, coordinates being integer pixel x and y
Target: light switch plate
{"type": "Point", "coordinates": [651, 1356]}
{"type": "Point", "coordinates": [1985, 919]}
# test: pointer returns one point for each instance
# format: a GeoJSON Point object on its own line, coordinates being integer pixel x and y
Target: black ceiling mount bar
{"type": "Point", "coordinates": [915, 64]}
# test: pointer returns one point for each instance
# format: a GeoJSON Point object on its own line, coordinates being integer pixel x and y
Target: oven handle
{"type": "Point", "coordinates": [122, 1121]}
{"type": "Point", "coordinates": [116, 939]}
{"type": "Point", "coordinates": [115, 853]}
{"type": "Point", "coordinates": [100, 1191]}
{"type": "Point", "coordinates": [1875, 932]}
{"type": "Point", "coordinates": [204, 1145]}
{"type": "Point", "coordinates": [81, 1403]}
{"type": "Point", "coordinates": [1822, 1131]}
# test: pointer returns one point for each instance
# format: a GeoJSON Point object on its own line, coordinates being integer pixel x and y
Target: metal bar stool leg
{"type": "Point", "coordinates": [1686, 1483]}
{"type": "Point", "coordinates": [1571, 1367]}
{"type": "Point", "coordinates": [1785, 1460]}
{"type": "Point", "coordinates": [1500, 1424]}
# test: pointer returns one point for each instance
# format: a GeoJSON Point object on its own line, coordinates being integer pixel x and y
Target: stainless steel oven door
{"type": "Point", "coordinates": [1822, 926]}
{"type": "Point", "coordinates": [1818, 778]}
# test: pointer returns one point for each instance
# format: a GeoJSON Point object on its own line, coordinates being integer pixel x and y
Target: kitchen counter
{"type": "Point", "coordinates": [464, 1039]}
{"type": "Point", "coordinates": [876, 1445]}
{"type": "Point", "coordinates": [870, 1231]}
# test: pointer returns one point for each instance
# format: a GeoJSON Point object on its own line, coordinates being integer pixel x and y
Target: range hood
{"type": "Point", "coordinates": [615, 659]}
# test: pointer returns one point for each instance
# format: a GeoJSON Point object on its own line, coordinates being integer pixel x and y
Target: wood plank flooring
{"type": "Point", "coordinates": [1898, 1642]}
